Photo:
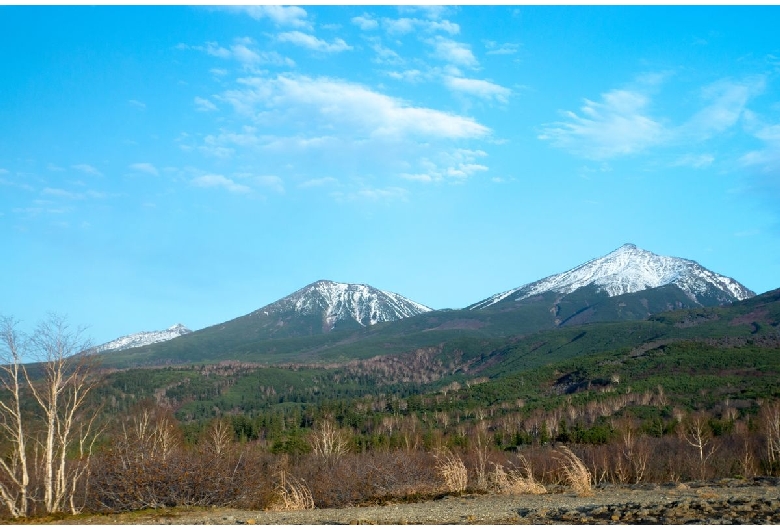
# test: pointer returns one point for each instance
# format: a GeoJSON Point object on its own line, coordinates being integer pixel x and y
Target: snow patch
{"type": "Point", "coordinates": [630, 269]}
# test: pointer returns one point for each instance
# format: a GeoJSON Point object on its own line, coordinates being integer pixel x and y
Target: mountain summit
{"type": "Point", "coordinates": [143, 338]}
{"type": "Point", "coordinates": [340, 305]}
{"type": "Point", "coordinates": [628, 270]}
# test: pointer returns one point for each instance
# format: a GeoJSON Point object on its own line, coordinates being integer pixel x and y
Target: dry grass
{"type": "Point", "coordinates": [291, 495]}
{"type": "Point", "coordinates": [515, 481]}
{"type": "Point", "coordinates": [575, 472]}
{"type": "Point", "coordinates": [452, 470]}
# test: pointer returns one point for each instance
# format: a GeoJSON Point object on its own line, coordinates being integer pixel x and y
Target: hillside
{"type": "Point", "coordinates": [331, 321]}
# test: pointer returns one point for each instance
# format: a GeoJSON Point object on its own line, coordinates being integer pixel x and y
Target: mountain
{"type": "Point", "coordinates": [329, 321]}
{"type": "Point", "coordinates": [328, 306]}
{"type": "Point", "coordinates": [144, 338]}
{"type": "Point", "coordinates": [626, 271]}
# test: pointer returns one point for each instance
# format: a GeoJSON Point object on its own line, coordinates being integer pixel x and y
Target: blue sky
{"type": "Point", "coordinates": [192, 164]}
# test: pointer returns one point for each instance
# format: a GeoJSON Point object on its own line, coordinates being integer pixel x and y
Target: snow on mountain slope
{"type": "Point", "coordinates": [143, 338]}
{"type": "Point", "coordinates": [345, 301]}
{"type": "Point", "coordinates": [630, 269]}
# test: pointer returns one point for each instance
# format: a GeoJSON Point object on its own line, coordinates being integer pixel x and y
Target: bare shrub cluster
{"type": "Point", "coordinates": [575, 472]}
{"type": "Point", "coordinates": [515, 481]}
{"type": "Point", "coordinates": [452, 471]}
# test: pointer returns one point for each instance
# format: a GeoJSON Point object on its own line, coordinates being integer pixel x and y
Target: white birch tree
{"type": "Point", "coordinates": [57, 387]}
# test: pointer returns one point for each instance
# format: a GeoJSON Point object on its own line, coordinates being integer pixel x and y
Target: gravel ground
{"type": "Point", "coordinates": [732, 501]}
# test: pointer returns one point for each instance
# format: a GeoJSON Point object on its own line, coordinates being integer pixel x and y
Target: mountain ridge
{"type": "Point", "coordinates": [626, 270]}
{"type": "Point", "coordinates": [142, 338]}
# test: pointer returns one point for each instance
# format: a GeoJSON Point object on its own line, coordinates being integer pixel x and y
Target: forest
{"type": "Point", "coordinates": [684, 396]}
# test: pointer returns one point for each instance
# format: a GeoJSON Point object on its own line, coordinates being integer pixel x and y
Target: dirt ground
{"type": "Point", "coordinates": [745, 501]}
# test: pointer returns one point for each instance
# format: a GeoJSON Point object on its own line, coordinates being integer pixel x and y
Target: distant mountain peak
{"type": "Point", "coordinates": [630, 269]}
{"type": "Point", "coordinates": [143, 338]}
{"type": "Point", "coordinates": [350, 302]}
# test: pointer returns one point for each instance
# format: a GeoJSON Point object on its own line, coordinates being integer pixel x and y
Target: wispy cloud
{"type": "Point", "coordinates": [318, 183]}
{"type": "Point", "coordinates": [60, 193]}
{"type": "Point", "coordinates": [270, 181]}
{"type": "Point", "coordinates": [365, 22]}
{"type": "Point", "coordinates": [204, 105]}
{"type": "Point", "coordinates": [330, 103]}
{"type": "Point", "coordinates": [54, 167]}
{"type": "Point", "coordinates": [453, 166]}
{"type": "Point", "coordinates": [220, 181]}
{"type": "Point", "coordinates": [387, 194]}
{"type": "Point", "coordinates": [402, 26]}
{"type": "Point", "coordinates": [767, 158]}
{"type": "Point", "coordinates": [454, 52]}
{"type": "Point", "coordinates": [88, 169]}
{"type": "Point", "coordinates": [618, 125]}
{"type": "Point", "coordinates": [410, 76]}
{"type": "Point", "coordinates": [245, 51]}
{"type": "Point", "coordinates": [282, 15]}
{"type": "Point", "coordinates": [12, 184]}
{"type": "Point", "coordinates": [621, 123]}
{"type": "Point", "coordinates": [137, 104]}
{"type": "Point", "coordinates": [694, 161]}
{"type": "Point", "coordinates": [385, 55]}
{"type": "Point", "coordinates": [726, 102]}
{"type": "Point", "coordinates": [145, 167]}
{"type": "Point", "coordinates": [478, 87]}
{"type": "Point", "coordinates": [313, 43]}
{"type": "Point", "coordinates": [507, 48]}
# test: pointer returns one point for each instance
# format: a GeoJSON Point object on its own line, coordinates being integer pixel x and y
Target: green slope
{"type": "Point", "coordinates": [252, 337]}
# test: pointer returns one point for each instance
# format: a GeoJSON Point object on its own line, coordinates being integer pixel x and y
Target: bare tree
{"type": "Point", "coordinates": [697, 435]}
{"type": "Point", "coordinates": [15, 483]}
{"type": "Point", "coordinates": [770, 414]}
{"type": "Point", "coordinates": [328, 442]}
{"type": "Point", "coordinates": [59, 387]}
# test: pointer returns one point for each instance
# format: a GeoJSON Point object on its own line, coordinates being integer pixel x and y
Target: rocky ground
{"type": "Point", "coordinates": [732, 501]}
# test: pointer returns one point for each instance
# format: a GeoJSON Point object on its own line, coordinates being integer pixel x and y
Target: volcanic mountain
{"type": "Point", "coordinates": [143, 338]}
{"type": "Point", "coordinates": [325, 306]}
{"type": "Point", "coordinates": [627, 283]}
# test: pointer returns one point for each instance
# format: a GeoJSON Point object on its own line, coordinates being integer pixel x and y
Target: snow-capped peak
{"type": "Point", "coordinates": [143, 338]}
{"type": "Point", "coordinates": [630, 269]}
{"type": "Point", "coordinates": [346, 301]}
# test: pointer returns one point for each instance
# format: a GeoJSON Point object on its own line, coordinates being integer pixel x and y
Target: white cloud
{"type": "Point", "coordinates": [619, 125]}
{"type": "Point", "coordinates": [695, 161]}
{"type": "Point", "coordinates": [391, 193]}
{"type": "Point", "coordinates": [402, 26]}
{"type": "Point", "coordinates": [385, 55]}
{"type": "Point", "coordinates": [137, 104]}
{"type": "Point", "coordinates": [478, 87]}
{"type": "Point", "coordinates": [88, 169]}
{"type": "Point", "coordinates": [281, 15]}
{"type": "Point", "coordinates": [313, 43]}
{"type": "Point", "coordinates": [219, 72]}
{"type": "Point", "coordinates": [453, 166]}
{"type": "Point", "coordinates": [244, 50]}
{"type": "Point", "coordinates": [318, 183]}
{"type": "Point", "coordinates": [145, 167]}
{"type": "Point", "coordinates": [507, 48]}
{"type": "Point", "coordinates": [365, 22]}
{"type": "Point", "coordinates": [51, 167]}
{"type": "Point", "coordinates": [204, 105]}
{"type": "Point", "coordinates": [410, 76]}
{"type": "Point", "coordinates": [767, 158]}
{"type": "Point", "coordinates": [220, 181]}
{"type": "Point", "coordinates": [3, 171]}
{"type": "Point", "coordinates": [60, 193]}
{"type": "Point", "coordinates": [453, 52]}
{"type": "Point", "coordinates": [727, 101]}
{"type": "Point", "coordinates": [215, 50]}
{"type": "Point", "coordinates": [349, 107]}
{"type": "Point", "coordinates": [270, 181]}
